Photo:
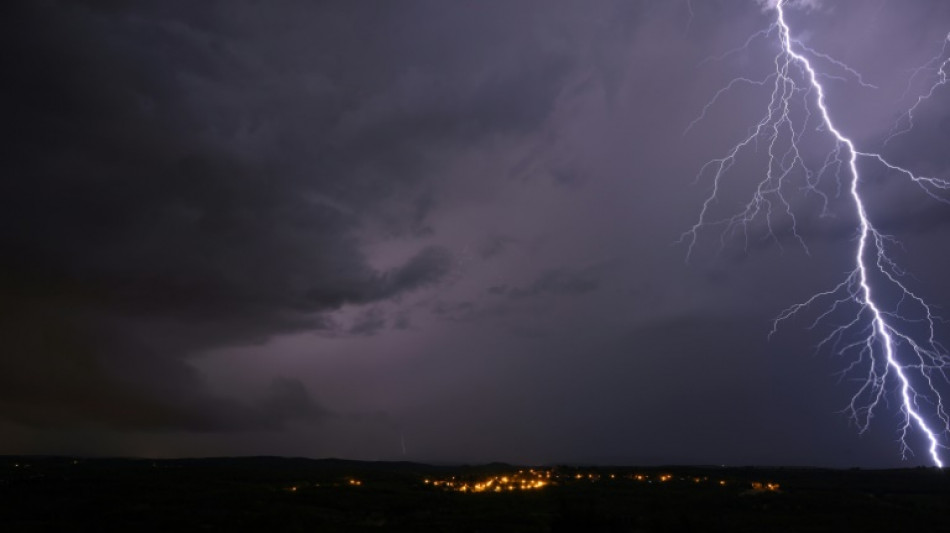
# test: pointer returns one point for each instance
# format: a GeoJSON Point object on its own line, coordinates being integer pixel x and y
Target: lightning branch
{"type": "Point", "coordinates": [889, 337]}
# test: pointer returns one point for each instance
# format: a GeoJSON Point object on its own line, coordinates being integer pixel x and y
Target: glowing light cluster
{"type": "Point", "coordinates": [758, 486]}
{"type": "Point", "coordinates": [521, 480]}
{"type": "Point", "coordinates": [534, 479]}
{"type": "Point", "coordinates": [890, 335]}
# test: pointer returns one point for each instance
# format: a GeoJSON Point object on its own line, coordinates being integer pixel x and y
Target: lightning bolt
{"type": "Point", "coordinates": [905, 122]}
{"type": "Point", "coordinates": [890, 333]}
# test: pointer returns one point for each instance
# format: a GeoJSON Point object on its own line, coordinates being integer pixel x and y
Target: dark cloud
{"type": "Point", "coordinates": [288, 399]}
{"type": "Point", "coordinates": [552, 282]}
{"type": "Point", "coordinates": [457, 311]}
{"type": "Point", "coordinates": [496, 245]}
{"type": "Point", "coordinates": [164, 200]}
{"type": "Point", "coordinates": [425, 267]}
{"type": "Point", "coordinates": [371, 322]}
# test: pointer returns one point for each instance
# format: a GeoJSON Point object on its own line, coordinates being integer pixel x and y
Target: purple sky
{"type": "Point", "coordinates": [431, 230]}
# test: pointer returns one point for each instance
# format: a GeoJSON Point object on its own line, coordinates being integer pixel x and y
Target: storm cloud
{"type": "Point", "coordinates": [329, 226]}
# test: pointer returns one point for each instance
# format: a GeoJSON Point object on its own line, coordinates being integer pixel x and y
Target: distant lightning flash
{"type": "Point", "coordinates": [890, 335]}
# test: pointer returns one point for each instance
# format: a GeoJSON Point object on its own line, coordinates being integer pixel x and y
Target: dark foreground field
{"type": "Point", "coordinates": [273, 494]}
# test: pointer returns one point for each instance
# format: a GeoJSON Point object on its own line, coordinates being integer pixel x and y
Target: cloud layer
{"type": "Point", "coordinates": [325, 227]}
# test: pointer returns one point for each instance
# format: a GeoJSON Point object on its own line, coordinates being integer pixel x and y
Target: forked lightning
{"type": "Point", "coordinates": [890, 333]}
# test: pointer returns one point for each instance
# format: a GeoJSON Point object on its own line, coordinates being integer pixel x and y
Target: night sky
{"type": "Point", "coordinates": [433, 231]}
